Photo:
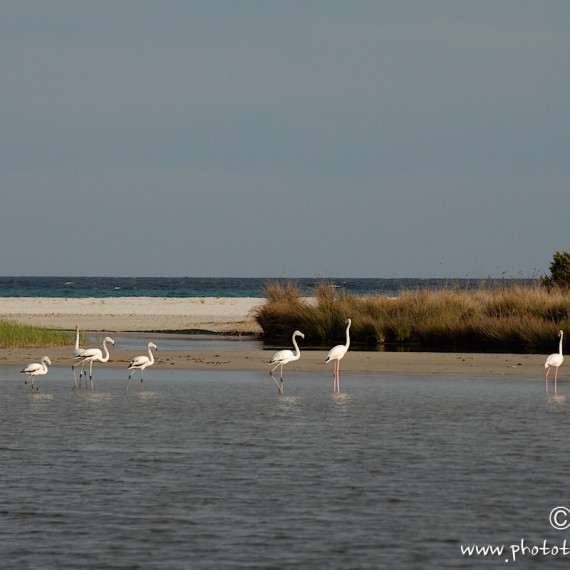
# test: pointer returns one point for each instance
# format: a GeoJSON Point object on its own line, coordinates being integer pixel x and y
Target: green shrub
{"type": "Point", "coordinates": [559, 271]}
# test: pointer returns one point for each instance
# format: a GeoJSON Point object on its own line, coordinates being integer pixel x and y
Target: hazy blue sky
{"type": "Point", "coordinates": [284, 138]}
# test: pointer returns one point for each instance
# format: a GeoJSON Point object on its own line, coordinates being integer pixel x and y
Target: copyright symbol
{"type": "Point", "coordinates": [560, 518]}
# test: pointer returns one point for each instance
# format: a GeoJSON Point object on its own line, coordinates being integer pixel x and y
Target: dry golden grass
{"type": "Point", "coordinates": [511, 318]}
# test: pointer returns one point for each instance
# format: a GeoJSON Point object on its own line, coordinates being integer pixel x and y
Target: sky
{"type": "Point", "coordinates": [284, 138]}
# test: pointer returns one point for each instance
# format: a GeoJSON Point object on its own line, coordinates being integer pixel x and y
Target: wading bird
{"type": "Point", "coordinates": [284, 357]}
{"type": "Point", "coordinates": [336, 353]}
{"type": "Point", "coordinates": [555, 359]}
{"type": "Point", "coordinates": [141, 362]}
{"type": "Point", "coordinates": [77, 352]}
{"type": "Point", "coordinates": [92, 355]}
{"type": "Point", "coordinates": [35, 369]}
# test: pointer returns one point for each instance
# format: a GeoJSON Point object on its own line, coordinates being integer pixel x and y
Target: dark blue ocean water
{"type": "Point", "coordinates": [218, 287]}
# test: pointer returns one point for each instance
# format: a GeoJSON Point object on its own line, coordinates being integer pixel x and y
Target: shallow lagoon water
{"type": "Point", "coordinates": [210, 469]}
{"type": "Point", "coordinates": [138, 342]}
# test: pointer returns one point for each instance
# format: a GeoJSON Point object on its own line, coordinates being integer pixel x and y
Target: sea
{"type": "Point", "coordinates": [223, 286]}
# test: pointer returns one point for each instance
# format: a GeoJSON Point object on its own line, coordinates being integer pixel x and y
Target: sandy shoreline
{"type": "Point", "coordinates": [135, 314]}
{"type": "Point", "coordinates": [424, 363]}
{"type": "Point", "coordinates": [231, 316]}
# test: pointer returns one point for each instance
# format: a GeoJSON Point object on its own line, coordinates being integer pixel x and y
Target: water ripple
{"type": "Point", "coordinates": [217, 471]}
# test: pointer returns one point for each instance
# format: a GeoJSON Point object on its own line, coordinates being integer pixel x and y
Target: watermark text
{"type": "Point", "coordinates": [512, 552]}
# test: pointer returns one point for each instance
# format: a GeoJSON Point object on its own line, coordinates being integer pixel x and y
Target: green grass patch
{"type": "Point", "coordinates": [14, 335]}
{"type": "Point", "coordinates": [512, 317]}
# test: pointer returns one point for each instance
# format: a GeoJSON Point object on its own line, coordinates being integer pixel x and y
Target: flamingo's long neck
{"type": "Point", "coordinates": [297, 351]}
{"type": "Point", "coordinates": [77, 338]}
{"type": "Point", "coordinates": [560, 344]}
{"type": "Point", "coordinates": [347, 337]}
{"type": "Point", "coordinates": [150, 355]}
{"type": "Point", "coordinates": [106, 351]}
{"type": "Point", "coordinates": [44, 366]}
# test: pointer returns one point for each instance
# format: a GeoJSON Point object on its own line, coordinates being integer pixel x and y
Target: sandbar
{"type": "Point", "coordinates": [228, 316]}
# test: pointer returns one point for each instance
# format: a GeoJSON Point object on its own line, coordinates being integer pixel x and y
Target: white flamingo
{"type": "Point", "coordinates": [77, 352]}
{"type": "Point", "coordinates": [92, 355]}
{"type": "Point", "coordinates": [284, 357]}
{"type": "Point", "coordinates": [35, 369]}
{"type": "Point", "coordinates": [141, 362]}
{"type": "Point", "coordinates": [336, 353]}
{"type": "Point", "coordinates": [555, 359]}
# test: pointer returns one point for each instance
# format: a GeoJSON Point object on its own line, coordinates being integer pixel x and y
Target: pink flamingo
{"type": "Point", "coordinates": [92, 355]}
{"type": "Point", "coordinates": [336, 353]}
{"type": "Point", "coordinates": [555, 359]}
{"type": "Point", "coordinates": [77, 352]}
{"type": "Point", "coordinates": [141, 362]}
{"type": "Point", "coordinates": [35, 369]}
{"type": "Point", "coordinates": [283, 357]}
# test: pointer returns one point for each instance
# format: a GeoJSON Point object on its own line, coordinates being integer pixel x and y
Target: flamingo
{"type": "Point", "coordinates": [77, 352]}
{"type": "Point", "coordinates": [141, 362]}
{"type": "Point", "coordinates": [555, 359]}
{"type": "Point", "coordinates": [35, 369]}
{"type": "Point", "coordinates": [284, 357]}
{"type": "Point", "coordinates": [92, 355]}
{"type": "Point", "coordinates": [336, 353]}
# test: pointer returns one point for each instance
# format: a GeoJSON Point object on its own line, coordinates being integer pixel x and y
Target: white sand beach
{"type": "Point", "coordinates": [134, 314]}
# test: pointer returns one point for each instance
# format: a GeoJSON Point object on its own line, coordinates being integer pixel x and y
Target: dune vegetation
{"type": "Point", "coordinates": [508, 318]}
{"type": "Point", "coordinates": [14, 335]}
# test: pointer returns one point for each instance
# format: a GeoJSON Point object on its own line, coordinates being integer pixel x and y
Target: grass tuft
{"type": "Point", "coordinates": [14, 335]}
{"type": "Point", "coordinates": [512, 317]}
